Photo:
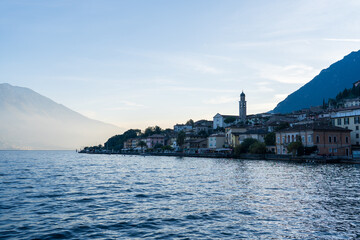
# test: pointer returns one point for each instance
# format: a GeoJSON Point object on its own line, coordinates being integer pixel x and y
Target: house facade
{"type": "Point", "coordinates": [220, 122]}
{"type": "Point", "coordinates": [216, 141]}
{"type": "Point", "coordinates": [182, 127]}
{"type": "Point", "coordinates": [349, 119]}
{"type": "Point", "coordinates": [330, 140]}
{"type": "Point", "coordinates": [258, 134]}
{"type": "Point", "coordinates": [232, 135]}
{"type": "Point", "coordinates": [155, 139]}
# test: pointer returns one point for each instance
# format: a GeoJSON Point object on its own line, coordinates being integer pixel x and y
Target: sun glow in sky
{"type": "Point", "coordinates": [143, 63]}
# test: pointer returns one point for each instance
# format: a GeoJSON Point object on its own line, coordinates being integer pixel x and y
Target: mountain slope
{"type": "Point", "coordinates": [32, 121]}
{"type": "Point", "coordinates": [327, 84]}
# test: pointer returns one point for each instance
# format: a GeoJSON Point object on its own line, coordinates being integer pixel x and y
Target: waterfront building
{"type": "Point", "coordinates": [195, 143]}
{"type": "Point", "coordinates": [330, 140]}
{"type": "Point", "coordinates": [349, 119]}
{"type": "Point", "coordinates": [232, 135]}
{"type": "Point", "coordinates": [354, 102]}
{"type": "Point", "coordinates": [155, 139]}
{"type": "Point", "coordinates": [203, 126]}
{"type": "Point", "coordinates": [222, 121]}
{"type": "Point", "coordinates": [182, 127]}
{"type": "Point", "coordinates": [128, 144]}
{"type": "Point", "coordinates": [216, 140]}
{"type": "Point", "coordinates": [242, 107]}
{"type": "Point", "coordinates": [257, 134]}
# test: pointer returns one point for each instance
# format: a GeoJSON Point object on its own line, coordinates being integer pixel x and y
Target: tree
{"type": "Point", "coordinates": [142, 144]}
{"type": "Point", "coordinates": [257, 148]}
{"type": "Point", "coordinates": [158, 145]}
{"type": "Point", "coordinates": [167, 148]}
{"type": "Point", "coordinates": [229, 120]}
{"type": "Point", "coordinates": [295, 148]}
{"type": "Point", "coordinates": [148, 131]}
{"type": "Point", "coordinates": [244, 146]}
{"type": "Point", "coordinates": [117, 142]}
{"type": "Point", "coordinates": [180, 138]}
{"type": "Point", "coordinates": [270, 139]}
{"type": "Point", "coordinates": [190, 123]}
{"type": "Point", "coordinates": [157, 130]}
{"type": "Point", "coordinates": [203, 134]}
{"type": "Point", "coordinates": [281, 126]}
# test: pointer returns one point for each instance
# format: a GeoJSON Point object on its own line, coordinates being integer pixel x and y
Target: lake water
{"type": "Point", "coordinates": [65, 195]}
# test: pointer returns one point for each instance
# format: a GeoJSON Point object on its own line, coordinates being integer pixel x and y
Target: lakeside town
{"type": "Point", "coordinates": [329, 131]}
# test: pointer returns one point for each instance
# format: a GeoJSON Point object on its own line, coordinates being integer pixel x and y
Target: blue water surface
{"type": "Point", "coordinates": [66, 195]}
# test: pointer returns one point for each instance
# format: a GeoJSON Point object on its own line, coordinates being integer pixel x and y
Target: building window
{"type": "Point", "coordinates": [317, 139]}
{"type": "Point", "coordinates": [356, 120]}
{"type": "Point", "coordinates": [346, 121]}
{"type": "Point", "coordinates": [329, 139]}
{"type": "Point", "coordinates": [309, 138]}
{"type": "Point", "coordinates": [347, 139]}
{"type": "Point", "coordinates": [357, 143]}
{"type": "Point", "coordinates": [330, 150]}
{"type": "Point", "coordinates": [339, 121]}
{"type": "Point", "coordinates": [357, 127]}
{"type": "Point", "coordinates": [335, 150]}
{"type": "Point", "coordinates": [335, 139]}
{"type": "Point", "coordinates": [283, 139]}
{"type": "Point", "coordinates": [357, 135]}
{"type": "Point", "coordinates": [278, 140]}
{"type": "Point", "coordinates": [333, 122]}
{"type": "Point", "coordinates": [303, 139]}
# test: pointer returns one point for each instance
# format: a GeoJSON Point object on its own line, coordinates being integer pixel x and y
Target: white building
{"type": "Point", "coordinates": [355, 102]}
{"type": "Point", "coordinates": [216, 141]}
{"type": "Point", "coordinates": [182, 127]}
{"type": "Point", "coordinates": [219, 120]}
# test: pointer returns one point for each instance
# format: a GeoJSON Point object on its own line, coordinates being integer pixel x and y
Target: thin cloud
{"type": "Point", "coordinates": [342, 39]}
{"type": "Point", "coordinates": [291, 74]}
{"type": "Point", "coordinates": [221, 100]}
{"type": "Point", "coordinates": [126, 105]}
{"type": "Point", "coordinates": [280, 97]}
{"type": "Point", "coordinates": [192, 89]}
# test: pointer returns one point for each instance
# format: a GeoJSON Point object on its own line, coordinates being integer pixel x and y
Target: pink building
{"type": "Point", "coordinates": [152, 140]}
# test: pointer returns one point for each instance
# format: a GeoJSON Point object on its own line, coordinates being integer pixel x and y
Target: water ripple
{"type": "Point", "coordinates": [64, 195]}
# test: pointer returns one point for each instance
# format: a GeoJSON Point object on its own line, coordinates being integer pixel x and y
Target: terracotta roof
{"type": "Point", "coordinates": [315, 127]}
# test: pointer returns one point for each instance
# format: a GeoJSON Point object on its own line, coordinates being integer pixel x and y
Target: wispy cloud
{"type": "Point", "coordinates": [342, 39]}
{"type": "Point", "coordinates": [280, 97]}
{"type": "Point", "coordinates": [194, 89]}
{"type": "Point", "coordinates": [264, 87]}
{"type": "Point", "coordinates": [257, 44]}
{"type": "Point", "coordinates": [292, 74]}
{"type": "Point", "coordinates": [126, 105]}
{"type": "Point", "coordinates": [221, 100]}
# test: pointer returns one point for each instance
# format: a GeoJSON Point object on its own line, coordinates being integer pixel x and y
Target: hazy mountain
{"type": "Point", "coordinates": [327, 84]}
{"type": "Point", "coordinates": [29, 120]}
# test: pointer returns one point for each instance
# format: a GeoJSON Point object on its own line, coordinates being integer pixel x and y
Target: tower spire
{"type": "Point", "coordinates": [242, 107]}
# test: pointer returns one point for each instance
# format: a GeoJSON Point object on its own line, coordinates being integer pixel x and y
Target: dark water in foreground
{"type": "Point", "coordinates": [64, 195]}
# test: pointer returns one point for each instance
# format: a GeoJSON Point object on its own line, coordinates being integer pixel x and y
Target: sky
{"type": "Point", "coordinates": [140, 63]}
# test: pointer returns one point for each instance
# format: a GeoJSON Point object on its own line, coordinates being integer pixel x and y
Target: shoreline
{"type": "Point", "coordinates": [270, 157]}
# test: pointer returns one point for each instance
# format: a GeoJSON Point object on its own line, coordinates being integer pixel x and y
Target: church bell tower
{"type": "Point", "coordinates": [242, 107]}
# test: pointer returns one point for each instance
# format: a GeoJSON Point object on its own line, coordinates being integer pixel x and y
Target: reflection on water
{"type": "Point", "coordinates": [64, 195]}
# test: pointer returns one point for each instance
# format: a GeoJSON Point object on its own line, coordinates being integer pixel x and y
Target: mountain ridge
{"type": "Point", "coordinates": [30, 120]}
{"type": "Point", "coordinates": [327, 84]}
